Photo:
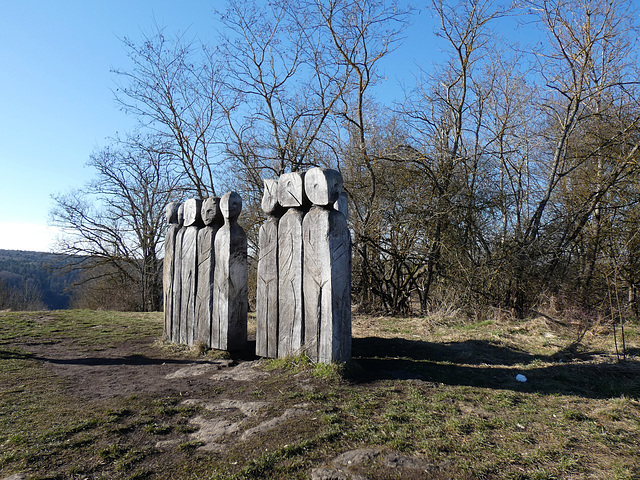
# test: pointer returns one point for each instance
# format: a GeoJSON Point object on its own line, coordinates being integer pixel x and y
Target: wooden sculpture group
{"type": "Point", "coordinates": [205, 273]}
{"type": "Point", "coordinates": [303, 298]}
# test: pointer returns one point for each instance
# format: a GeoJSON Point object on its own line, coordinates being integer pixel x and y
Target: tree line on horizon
{"type": "Point", "coordinates": [507, 178]}
{"type": "Point", "coordinates": [35, 281]}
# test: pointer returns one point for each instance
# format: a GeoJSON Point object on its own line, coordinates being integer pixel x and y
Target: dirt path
{"type": "Point", "coordinates": [232, 417]}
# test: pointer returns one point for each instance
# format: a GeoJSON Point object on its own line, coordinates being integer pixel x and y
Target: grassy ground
{"type": "Point", "coordinates": [441, 393]}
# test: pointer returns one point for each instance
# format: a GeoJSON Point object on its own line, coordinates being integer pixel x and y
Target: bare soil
{"type": "Point", "coordinates": [225, 390]}
{"type": "Point", "coordinates": [124, 369]}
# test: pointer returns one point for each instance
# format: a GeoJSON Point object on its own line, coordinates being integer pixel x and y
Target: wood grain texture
{"type": "Point", "coordinates": [230, 280]}
{"type": "Point", "coordinates": [291, 190]}
{"type": "Point", "coordinates": [167, 278]}
{"type": "Point", "coordinates": [189, 275]}
{"type": "Point", "coordinates": [290, 264]}
{"type": "Point", "coordinates": [267, 290]}
{"type": "Point", "coordinates": [327, 286]}
{"type": "Point", "coordinates": [230, 292]}
{"type": "Point", "coordinates": [177, 287]}
{"type": "Point", "coordinates": [204, 290]}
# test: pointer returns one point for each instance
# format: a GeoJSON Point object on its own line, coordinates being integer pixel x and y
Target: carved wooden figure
{"type": "Point", "coordinates": [323, 186]}
{"type": "Point", "coordinates": [171, 213]}
{"type": "Point", "coordinates": [177, 279]}
{"type": "Point", "coordinates": [290, 305]}
{"type": "Point", "coordinates": [291, 190]}
{"type": "Point", "coordinates": [189, 269]}
{"type": "Point", "coordinates": [327, 271]}
{"type": "Point", "coordinates": [212, 219]}
{"type": "Point", "coordinates": [230, 295]}
{"type": "Point", "coordinates": [267, 275]}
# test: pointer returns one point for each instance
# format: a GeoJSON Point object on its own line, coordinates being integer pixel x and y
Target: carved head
{"type": "Point", "coordinates": [231, 205]}
{"type": "Point", "coordinates": [211, 211]}
{"type": "Point", "coordinates": [323, 186]}
{"type": "Point", "coordinates": [192, 212]}
{"type": "Point", "coordinates": [171, 212]}
{"type": "Point", "coordinates": [270, 196]}
{"type": "Point", "coordinates": [291, 190]}
{"type": "Point", "coordinates": [181, 214]}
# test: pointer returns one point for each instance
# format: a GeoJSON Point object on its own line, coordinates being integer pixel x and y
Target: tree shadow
{"type": "Point", "coordinates": [485, 364]}
{"type": "Point", "coordinates": [14, 355]}
{"type": "Point", "coordinates": [134, 359]}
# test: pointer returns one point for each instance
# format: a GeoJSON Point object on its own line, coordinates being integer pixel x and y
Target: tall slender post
{"type": "Point", "coordinates": [327, 270]}
{"type": "Point", "coordinates": [177, 279]}
{"type": "Point", "coordinates": [171, 213]}
{"type": "Point", "coordinates": [230, 292]}
{"type": "Point", "coordinates": [212, 219]}
{"type": "Point", "coordinates": [189, 269]}
{"type": "Point", "coordinates": [267, 306]}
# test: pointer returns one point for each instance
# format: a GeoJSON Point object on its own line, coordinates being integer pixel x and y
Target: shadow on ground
{"type": "Point", "coordinates": [484, 364]}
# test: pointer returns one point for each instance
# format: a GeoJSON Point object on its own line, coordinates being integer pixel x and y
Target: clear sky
{"type": "Point", "coordinates": [56, 99]}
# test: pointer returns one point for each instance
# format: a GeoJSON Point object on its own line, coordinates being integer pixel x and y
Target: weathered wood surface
{"type": "Point", "coordinates": [327, 285]}
{"type": "Point", "coordinates": [323, 186]}
{"type": "Point", "coordinates": [192, 212]}
{"type": "Point", "coordinates": [171, 214]}
{"type": "Point", "coordinates": [189, 269]}
{"type": "Point", "coordinates": [230, 292]}
{"type": "Point", "coordinates": [212, 219]}
{"type": "Point", "coordinates": [167, 277]}
{"type": "Point", "coordinates": [189, 275]}
{"type": "Point", "coordinates": [270, 204]}
{"type": "Point", "coordinates": [342, 204]}
{"type": "Point", "coordinates": [291, 192]}
{"type": "Point", "coordinates": [267, 290]}
{"type": "Point", "coordinates": [204, 290]}
{"type": "Point", "coordinates": [290, 264]}
{"type": "Point", "coordinates": [177, 279]}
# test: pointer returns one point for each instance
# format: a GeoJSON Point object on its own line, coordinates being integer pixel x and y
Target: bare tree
{"type": "Point", "coordinates": [173, 89]}
{"type": "Point", "coordinates": [115, 224]}
{"type": "Point", "coordinates": [452, 146]}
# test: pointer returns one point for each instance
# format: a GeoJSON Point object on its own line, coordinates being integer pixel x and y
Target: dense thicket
{"type": "Point", "coordinates": [507, 177]}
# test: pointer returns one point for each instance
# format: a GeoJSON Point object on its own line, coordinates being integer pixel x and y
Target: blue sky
{"type": "Point", "coordinates": [56, 100]}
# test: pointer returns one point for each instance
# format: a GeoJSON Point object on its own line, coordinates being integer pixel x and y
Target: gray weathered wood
{"type": "Point", "coordinates": [177, 279]}
{"type": "Point", "coordinates": [291, 190]}
{"type": "Point", "coordinates": [167, 266]}
{"type": "Point", "coordinates": [189, 270]}
{"type": "Point", "coordinates": [342, 204]}
{"type": "Point", "coordinates": [323, 186]}
{"type": "Point", "coordinates": [230, 292]}
{"type": "Point", "coordinates": [290, 305]}
{"type": "Point", "coordinates": [267, 290]}
{"type": "Point", "coordinates": [327, 285]}
{"type": "Point", "coordinates": [192, 212]}
{"type": "Point", "coordinates": [212, 219]}
{"type": "Point", "coordinates": [270, 204]}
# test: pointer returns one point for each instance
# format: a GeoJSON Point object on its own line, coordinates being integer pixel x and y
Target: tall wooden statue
{"type": "Point", "coordinates": [177, 279]}
{"type": "Point", "coordinates": [230, 295]}
{"type": "Point", "coordinates": [212, 219]}
{"type": "Point", "coordinates": [267, 278]}
{"type": "Point", "coordinates": [327, 270]}
{"type": "Point", "coordinates": [189, 273]}
{"type": "Point", "coordinates": [291, 195]}
{"type": "Point", "coordinates": [171, 214]}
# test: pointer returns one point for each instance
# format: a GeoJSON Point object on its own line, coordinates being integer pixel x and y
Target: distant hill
{"type": "Point", "coordinates": [44, 271]}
